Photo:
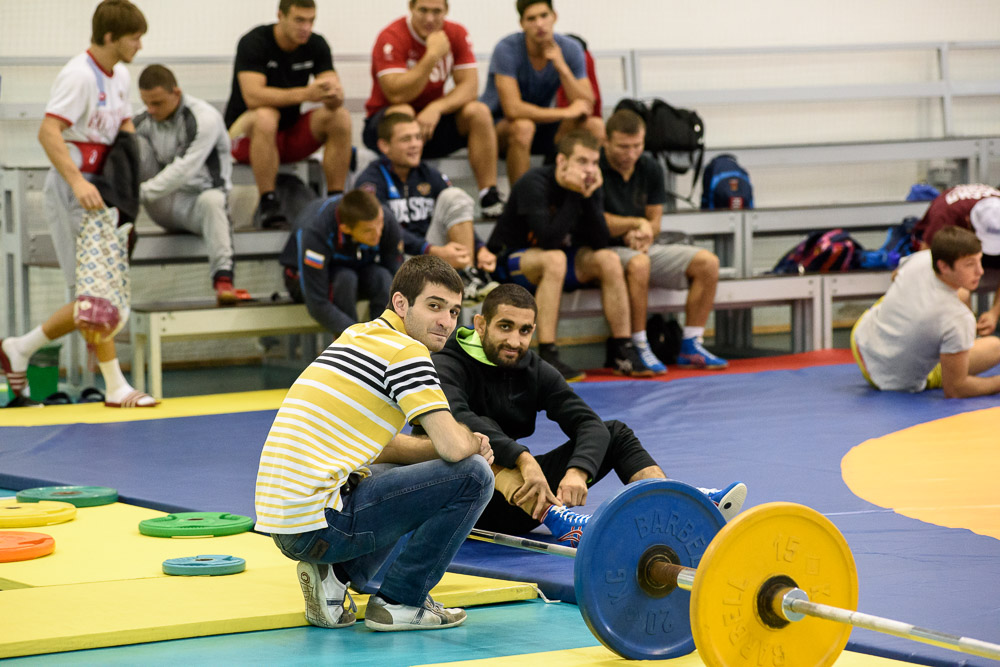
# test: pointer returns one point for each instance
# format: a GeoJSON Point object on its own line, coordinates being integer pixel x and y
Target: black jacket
{"type": "Point", "coordinates": [504, 403]}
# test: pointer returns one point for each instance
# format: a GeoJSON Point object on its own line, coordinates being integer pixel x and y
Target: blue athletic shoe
{"type": "Point", "coordinates": [730, 499]}
{"type": "Point", "coordinates": [565, 526]}
{"type": "Point", "coordinates": [650, 359]}
{"type": "Point", "coordinates": [694, 355]}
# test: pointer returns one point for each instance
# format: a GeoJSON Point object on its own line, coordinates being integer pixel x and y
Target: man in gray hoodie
{"type": "Point", "coordinates": [186, 170]}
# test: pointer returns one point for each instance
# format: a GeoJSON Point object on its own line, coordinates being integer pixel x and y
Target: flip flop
{"type": "Point", "coordinates": [58, 398]}
{"type": "Point", "coordinates": [91, 395]}
{"type": "Point", "coordinates": [131, 400]}
{"type": "Point", "coordinates": [17, 381]}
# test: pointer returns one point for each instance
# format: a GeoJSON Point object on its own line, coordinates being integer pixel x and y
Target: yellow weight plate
{"type": "Point", "coordinates": [44, 513]}
{"type": "Point", "coordinates": [765, 542]}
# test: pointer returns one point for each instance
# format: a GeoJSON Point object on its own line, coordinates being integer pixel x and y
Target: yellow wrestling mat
{"type": "Point", "coordinates": [104, 544]}
{"type": "Point", "coordinates": [104, 586]}
{"type": "Point", "coordinates": [942, 472]}
{"type": "Point", "coordinates": [598, 656]}
{"type": "Point", "coordinates": [191, 406]}
{"type": "Point", "coordinates": [51, 619]}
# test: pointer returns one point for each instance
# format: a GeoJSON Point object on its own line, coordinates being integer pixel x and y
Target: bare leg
{"type": "Point", "coordinates": [703, 277]}
{"type": "Point", "coordinates": [637, 279]}
{"type": "Point", "coordinates": [515, 137]}
{"type": "Point", "coordinates": [262, 129]}
{"type": "Point", "coordinates": [605, 267]}
{"type": "Point", "coordinates": [547, 270]}
{"type": "Point", "coordinates": [333, 128]}
{"type": "Point", "coordinates": [475, 121]}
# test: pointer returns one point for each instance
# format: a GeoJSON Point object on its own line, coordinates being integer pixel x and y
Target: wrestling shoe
{"type": "Point", "coordinates": [565, 526]}
{"type": "Point", "coordinates": [730, 499]}
{"type": "Point", "coordinates": [649, 359]}
{"type": "Point", "coordinates": [694, 355]}
{"type": "Point", "coordinates": [626, 361]}
{"type": "Point", "coordinates": [491, 204]}
{"type": "Point", "coordinates": [476, 284]}
{"type": "Point", "coordinates": [385, 617]}
{"type": "Point", "coordinates": [324, 595]}
{"type": "Point", "coordinates": [569, 373]}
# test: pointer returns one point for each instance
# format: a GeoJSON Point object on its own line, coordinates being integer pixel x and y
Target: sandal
{"type": "Point", "coordinates": [58, 398]}
{"type": "Point", "coordinates": [91, 395]}
{"type": "Point", "coordinates": [17, 381]}
{"type": "Point", "coordinates": [131, 400]}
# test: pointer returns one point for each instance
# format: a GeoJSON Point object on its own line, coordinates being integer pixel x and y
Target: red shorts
{"type": "Point", "coordinates": [294, 144]}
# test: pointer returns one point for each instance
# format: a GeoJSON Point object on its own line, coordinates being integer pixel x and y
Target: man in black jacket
{"type": "Point", "coordinates": [342, 249]}
{"type": "Point", "coordinates": [496, 386]}
{"type": "Point", "coordinates": [552, 237]}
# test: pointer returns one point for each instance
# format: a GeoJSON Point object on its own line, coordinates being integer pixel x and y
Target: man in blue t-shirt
{"type": "Point", "coordinates": [526, 70]}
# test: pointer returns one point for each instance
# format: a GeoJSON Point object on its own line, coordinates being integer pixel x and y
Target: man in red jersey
{"type": "Point", "coordinates": [412, 59]}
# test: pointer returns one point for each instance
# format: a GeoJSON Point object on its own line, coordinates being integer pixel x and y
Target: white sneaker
{"type": "Point", "coordinates": [385, 617]}
{"type": "Point", "coordinates": [730, 499]}
{"type": "Point", "coordinates": [324, 595]}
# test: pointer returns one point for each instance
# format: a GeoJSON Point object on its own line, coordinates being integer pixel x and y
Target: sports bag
{"type": "Point", "coordinates": [898, 243]}
{"type": "Point", "coordinates": [822, 252]}
{"type": "Point", "coordinates": [103, 294]}
{"type": "Point", "coordinates": [725, 185]}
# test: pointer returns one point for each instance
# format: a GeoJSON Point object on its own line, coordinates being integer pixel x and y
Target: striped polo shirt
{"type": "Point", "coordinates": [336, 419]}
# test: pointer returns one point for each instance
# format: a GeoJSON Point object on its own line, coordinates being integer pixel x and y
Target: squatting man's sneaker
{"type": "Point", "coordinates": [730, 499]}
{"type": "Point", "coordinates": [385, 617]}
{"type": "Point", "coordinates": [324, 595]}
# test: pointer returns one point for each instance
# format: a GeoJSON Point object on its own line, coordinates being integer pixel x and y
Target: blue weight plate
{"type": "Point", "coordinates": [196, 566]}
{"type": "Point", "coordinates": [654, 518]}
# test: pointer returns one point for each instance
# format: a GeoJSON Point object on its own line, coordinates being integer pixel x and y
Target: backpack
{"type": "Point", "coordinates": [670, 131]}
{"type": "Point", "coordinates": [562, 100]}
{"type": "Point", "coordinates": [898, 243]}
{"type": "Point", "coordinates": [664, 337]}
{"type": "Point", "coordinates": [725, 185]}
{"type": "Point", "coordinates": [822, 252]}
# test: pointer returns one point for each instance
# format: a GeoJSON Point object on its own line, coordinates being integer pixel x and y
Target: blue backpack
{"type": "Point", "coordinates": [898, 243]}
{"type": "Point", "coordinates": [726, 185]}
{"type": "Point", "coordinates": [822, 252]}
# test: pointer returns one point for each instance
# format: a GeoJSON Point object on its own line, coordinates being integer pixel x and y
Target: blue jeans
{"type": "Point", "coordinates": [437, 500]}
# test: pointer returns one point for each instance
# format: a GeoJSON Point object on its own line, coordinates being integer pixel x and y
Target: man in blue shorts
{"type": "Point", "coordinates": [634, 194]}
{"type": "Point", "coordinates": [552, 237]}
{"type": "Point", "coordinates": [526, 70]}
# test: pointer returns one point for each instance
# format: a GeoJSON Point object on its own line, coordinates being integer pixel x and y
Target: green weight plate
{"type": "Point", "coordinates": [200, 566]}
{"type": "Point", "coordinates": [42, 513]}
{"type": "Point", "coordinates": [80, 496]}
{"type": "Point", "coordinates": [196, 524]}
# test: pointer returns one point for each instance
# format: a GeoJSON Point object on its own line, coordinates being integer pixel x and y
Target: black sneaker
{"type": "Point", "coordinates": [491, 204]}
{"type": "Point", "coordinates": [269, 215]}
{"type": "Point", "coordinates": [627, 361]}
{"type": "Point", "coordinates": [569, 374]}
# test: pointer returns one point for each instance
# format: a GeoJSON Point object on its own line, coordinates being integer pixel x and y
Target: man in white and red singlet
{"type": "Point", "coordinates": [975, 207]}
{"type": "Point", "coordinates": [412, 60]}
{"type": "Point", "coordinates": [88, 106]}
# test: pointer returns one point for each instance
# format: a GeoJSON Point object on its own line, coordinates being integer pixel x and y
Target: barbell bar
{"type": "Point", "coordinates": [749, 591]}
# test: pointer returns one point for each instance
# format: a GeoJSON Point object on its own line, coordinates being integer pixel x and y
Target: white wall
{"type": "Point", "coordinates": [212, 27]}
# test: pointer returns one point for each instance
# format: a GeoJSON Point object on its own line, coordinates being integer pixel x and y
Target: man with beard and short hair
{"type": "Point", "coordinates": [496, 386]}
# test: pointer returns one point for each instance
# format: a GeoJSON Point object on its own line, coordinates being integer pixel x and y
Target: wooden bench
{"type": "Point", "coordinates": [152, 324]}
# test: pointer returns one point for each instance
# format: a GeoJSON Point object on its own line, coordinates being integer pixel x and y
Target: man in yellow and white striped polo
{"type": "Point", "coordinates": [338, 484]}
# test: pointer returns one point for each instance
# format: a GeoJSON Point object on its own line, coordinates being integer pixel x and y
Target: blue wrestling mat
{"type": "Point", "coordinates": [784, 433]}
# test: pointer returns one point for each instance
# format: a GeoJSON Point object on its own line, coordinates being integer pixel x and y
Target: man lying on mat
{"type": "Point", "coordinates": [922, 334]}
{"type": "Point", "coordinates": [324, 489]}
{"type": "Point", "coordinates": [496, 385]}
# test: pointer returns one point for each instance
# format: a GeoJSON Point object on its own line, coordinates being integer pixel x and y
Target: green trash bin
{"type": "Point", "coordinates": [43, 373]}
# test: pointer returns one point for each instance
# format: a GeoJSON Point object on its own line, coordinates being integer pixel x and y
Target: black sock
{"type": "Point", "coordinates": [340, 573]}
{"type": "Point", "coordinates": [332, 193]}
{"type": "Point", "coordinates": [268, 196]}
{"type": "Point", "coordinates": [621, 345]}
{"type": "Point", "coordinates": [545, 349]}
{"type": "Point", "coordinates": [388, 600]}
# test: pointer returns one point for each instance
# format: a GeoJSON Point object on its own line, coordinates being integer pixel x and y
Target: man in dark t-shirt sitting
{"type": "Point", "coordinates": [634, 194]}
{"type": "Point", "coordinates": [271, 80]}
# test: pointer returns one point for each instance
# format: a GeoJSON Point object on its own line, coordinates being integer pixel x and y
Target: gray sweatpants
{"type": "Point", "coordinates": [453, 206]}
{"type": "Point", "coordinates": [203, 213]}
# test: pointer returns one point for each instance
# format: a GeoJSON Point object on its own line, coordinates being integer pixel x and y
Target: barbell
{"type": "Point", "coordinates": [756, 592]}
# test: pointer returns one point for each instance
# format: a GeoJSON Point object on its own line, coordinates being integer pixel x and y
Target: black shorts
{"type": "Point", "coordinates": [445, 140]}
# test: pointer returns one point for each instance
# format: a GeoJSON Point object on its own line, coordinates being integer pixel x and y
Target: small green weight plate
{"type": "Point", "coordinates": [196, 524]}
{"type": "Point", "coordinates": [80, 496]}
{"type": "Point", "coordinates": [42, 513]}
{"type": "Point", "coordinates": [200, 566]}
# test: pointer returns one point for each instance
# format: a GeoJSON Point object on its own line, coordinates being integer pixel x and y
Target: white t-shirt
{"type": "Point", "coordinates": [902, 337]}
{"type": "Point", "coordinates": [94, 102]}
